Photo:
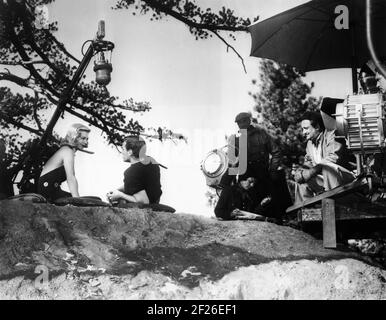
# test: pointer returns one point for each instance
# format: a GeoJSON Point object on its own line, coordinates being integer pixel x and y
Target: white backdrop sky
{"type": "Point", "coordinates": [194, 87]}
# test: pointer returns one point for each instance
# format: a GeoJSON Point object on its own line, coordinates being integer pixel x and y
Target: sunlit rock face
{"type": "Point", "coordinates": [50, 252]}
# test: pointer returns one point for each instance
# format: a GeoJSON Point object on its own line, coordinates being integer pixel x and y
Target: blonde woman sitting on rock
{"type": "Point", "coordinates": [60, 167]}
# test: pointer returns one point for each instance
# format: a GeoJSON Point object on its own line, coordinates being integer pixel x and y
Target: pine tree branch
{"type": "Point", "coordinates": [100, 118]}
{"type": "Point", "coordinates": [159, 6]}
{"type": "Point", "coordinates": [20, 49]}
{"type": "Point", "coordinates": [61, 46]}
{"type": "Point", "coordinates": [210, 27]}
{"type": "Point", "coordinates": [232, 48]}
{"type": "Point", "coordinates": [35, 112]}
{"type": "Point", "coordinates": [12, 63]}
{"type": "Point", "coordinates": [23, 82]}
{"type": "Point", "coordinates": [20, 125]}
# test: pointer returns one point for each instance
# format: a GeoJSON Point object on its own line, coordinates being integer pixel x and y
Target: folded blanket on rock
{"type": "Point", "coordinates": [89, 201]}
{"type": "Point", "coordinates": [34, 197]}
{"type": "Point", "coordinates": [152, 206]}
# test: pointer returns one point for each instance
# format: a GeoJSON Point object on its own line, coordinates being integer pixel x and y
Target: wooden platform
{"type": "Point", "coordinates": [337, 192]}
{"type": "Point", "coordinates": [329, 212]}
{"type": "Point", "coordinates": [354, 210]}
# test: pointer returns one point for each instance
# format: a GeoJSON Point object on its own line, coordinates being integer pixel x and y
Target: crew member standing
{"type": "Point", "coordinates": [263, 162]}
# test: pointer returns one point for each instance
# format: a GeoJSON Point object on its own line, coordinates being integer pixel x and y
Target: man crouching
{"type": "Point", "coordinates": [240, 201]}
{"type": "Point", "coordinates": [325, 161]}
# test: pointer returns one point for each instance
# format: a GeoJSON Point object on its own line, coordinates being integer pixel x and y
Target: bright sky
{"type": "Point", "coordinates": [194, 87]}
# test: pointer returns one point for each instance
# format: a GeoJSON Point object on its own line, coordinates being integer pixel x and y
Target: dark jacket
{"type": "Point", "coordinates": [260, 146]}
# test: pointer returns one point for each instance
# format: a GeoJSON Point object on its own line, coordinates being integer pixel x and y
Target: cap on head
{"type": "Point", "coordinates": [243, 115]}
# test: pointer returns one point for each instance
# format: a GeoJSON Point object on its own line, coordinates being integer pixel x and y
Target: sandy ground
{"type": "Point", "coordinates": [50, 252]}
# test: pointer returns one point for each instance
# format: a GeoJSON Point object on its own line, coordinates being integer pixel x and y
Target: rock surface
{"type": "Point", "coordinates": [50, 252]}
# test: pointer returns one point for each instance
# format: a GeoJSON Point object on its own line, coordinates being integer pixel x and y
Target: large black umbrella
{"type": "Point", "coordinates": [313, 36]}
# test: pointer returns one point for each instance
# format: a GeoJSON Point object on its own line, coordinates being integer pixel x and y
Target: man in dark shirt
{"type": "Point", "coordinates": [263, 163]}
{"type": "Point", "coordinates": [142, 179]}
{"type": "Point", "coordinates": [259, 149]}
{"type": "Point", "coordinates": [146, 177]}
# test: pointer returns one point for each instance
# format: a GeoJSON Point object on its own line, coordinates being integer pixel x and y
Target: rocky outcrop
{"type": "Point", "coordinates": [71, 252]}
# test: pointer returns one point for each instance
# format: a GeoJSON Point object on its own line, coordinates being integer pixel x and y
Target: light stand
{"type": "Point", "coordinates": [102, 67]}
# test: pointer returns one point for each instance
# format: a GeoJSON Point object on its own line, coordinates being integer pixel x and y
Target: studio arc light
{"type": "Point", "coordinates": [102, 65]}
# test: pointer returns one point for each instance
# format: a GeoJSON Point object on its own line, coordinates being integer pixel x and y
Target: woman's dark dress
{"type": "Point", "coordinates": [49, 184]}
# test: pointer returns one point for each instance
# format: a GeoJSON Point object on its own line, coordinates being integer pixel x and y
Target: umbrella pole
{"type": "Point", "coordinates": [354, 71]}
{"type": "Point", "coordinates": [354, 78]}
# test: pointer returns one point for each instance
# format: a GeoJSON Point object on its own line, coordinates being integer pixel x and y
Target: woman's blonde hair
{"type": "Point", "coordinates": [73, 133]}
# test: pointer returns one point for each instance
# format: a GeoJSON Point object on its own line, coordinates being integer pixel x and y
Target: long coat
{"type": "Point", "coordinates": [333, 151]}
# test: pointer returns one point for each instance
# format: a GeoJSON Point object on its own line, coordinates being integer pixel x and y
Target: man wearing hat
{"type": "Point", "coordinates": [263, 157]}
{"type": "Point", "coordinates": [260, 146]}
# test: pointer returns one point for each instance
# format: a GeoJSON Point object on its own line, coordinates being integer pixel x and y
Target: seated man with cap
{"type": "Point", "coordinates": [326, 160]}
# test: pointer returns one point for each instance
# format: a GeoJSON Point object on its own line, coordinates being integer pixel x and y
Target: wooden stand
{"type": "Point", "coordinates": [328, 209]}
{"type": "Point", "coordinates": [329, 227]}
